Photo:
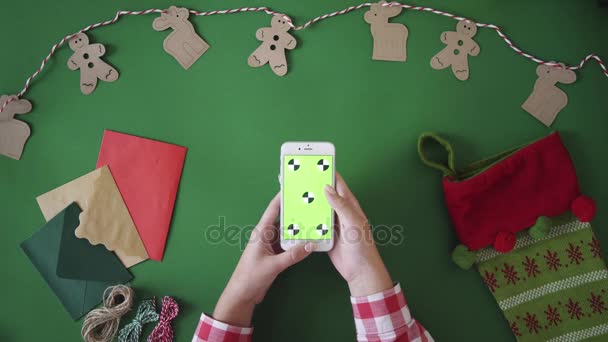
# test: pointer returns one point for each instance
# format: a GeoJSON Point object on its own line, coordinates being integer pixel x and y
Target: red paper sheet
{"type": "Point", "coordinates": [147, 173]}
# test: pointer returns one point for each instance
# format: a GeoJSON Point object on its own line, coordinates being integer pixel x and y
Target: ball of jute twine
{"type": "Point", "coordinates": [100, 325]}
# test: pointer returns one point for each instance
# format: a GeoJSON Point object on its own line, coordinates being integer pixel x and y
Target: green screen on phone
{"type": "Point", "coordinates": [306, 213]}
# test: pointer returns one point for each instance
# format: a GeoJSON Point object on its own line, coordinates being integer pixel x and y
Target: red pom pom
{"type": "Point", "coordinates": [504, 242]}
{"type": "Point", "coordinates": [584, 208]}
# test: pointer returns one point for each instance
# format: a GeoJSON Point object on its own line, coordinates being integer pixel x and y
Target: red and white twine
{"type": "Point", "coordinates": [301, 27]}
{"type": "Point", "coordinates": [163, 332]}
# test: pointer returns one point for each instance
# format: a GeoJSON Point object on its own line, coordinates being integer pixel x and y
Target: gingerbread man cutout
{"type": "Point", "coordinates": [390, 39]}
{"type": "Point", "coordinates": [275, 40]}
{"type": "Point", "coordinates": [547, 100]}
{"type": "Point", "coordinates": [13, 133]}
{"type": "Point", "coordinates": [183, 43]}
{"type": "Point", "coordinates": [86, 57]}
{"type": "Point", "coordinates": [460, 45]}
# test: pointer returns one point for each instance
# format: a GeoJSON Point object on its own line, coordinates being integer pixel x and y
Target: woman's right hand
{"type": "Point", "coordinates": [355, 255]}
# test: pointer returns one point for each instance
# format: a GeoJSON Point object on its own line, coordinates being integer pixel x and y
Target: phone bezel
{"type": "Point", "coordinates": [308, 148]}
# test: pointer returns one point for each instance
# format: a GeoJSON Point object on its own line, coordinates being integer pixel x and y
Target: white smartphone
{"type": "Point", "coordinates": [306, 167]}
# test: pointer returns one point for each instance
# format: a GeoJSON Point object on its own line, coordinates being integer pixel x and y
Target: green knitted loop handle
{"type": "Point", "coordinates": [146, 313]}
{"type": "Point", "coordinates": [447, 170]}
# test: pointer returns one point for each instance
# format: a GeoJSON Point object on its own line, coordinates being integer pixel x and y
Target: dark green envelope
{"type": "Point", "coordinates": [75, 270]}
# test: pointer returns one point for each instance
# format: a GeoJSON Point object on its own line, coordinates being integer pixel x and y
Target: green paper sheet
{"type": "Point", "coordinates": [43, 249]}
{"type": "Point", "coordinates": [78, 259]}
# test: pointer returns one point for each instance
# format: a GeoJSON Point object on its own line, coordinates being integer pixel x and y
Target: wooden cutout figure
{"type": "Point", "coordinates": [184, 44]}
{"type": "Point", "coordinates": [460, 45]}
{"type": "Point", "coordinates": [390, 39]}
{"type": "Point", "coordinates": [13, 133]}
{"type": "Point", "coordinates": [275, 40]}
{"type": "Point", "coordinates": [547, 100]}
{"type": "Point", "coordinates": [86, 57]}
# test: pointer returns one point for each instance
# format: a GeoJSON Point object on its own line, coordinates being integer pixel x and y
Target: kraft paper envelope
{"type": "Point", "coordinates": [55, 250]}
{"type": "Point", "coordinates": [105, 218]}
{"type": "Point", "coordinates": [147, 173]}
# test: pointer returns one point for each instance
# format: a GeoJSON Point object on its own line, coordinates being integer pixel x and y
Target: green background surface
{"type": "Point", "coordinates": [234, 118]}
{"type": "Point", "coordinates": [307, 216]}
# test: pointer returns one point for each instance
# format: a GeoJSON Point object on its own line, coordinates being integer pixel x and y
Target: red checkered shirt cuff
{"type": "Point", "coordinates": [385, 317]}
{"type": "Point", "coordinates": [211, 330]}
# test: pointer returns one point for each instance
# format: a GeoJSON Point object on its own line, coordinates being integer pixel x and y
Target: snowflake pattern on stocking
{"type": "Point", "coordinates": [597, 303]}
{"type": "Point", "coordinates": [515, 329]}
{"type": "Point", "coordinates": [574, 309]}
{"type": "Point", "coordinates": [553, 261]}
{"type": "Point", "coordinates": [574, 254]}
{"type": "Point", "coordinates": [490, 281]}
{"type": "Point", "coordinates": [532, 323]}
{"type": "Point", "coordinates": [510, 274]}
{"type": "Point", "coordinates": [553, 317]}
{"type": "Point", "coordinates": [531, 267]}
{"type": "Point", "coordinates": [550, 263]}
{"type": "Point", "coordinates": [595, 248]}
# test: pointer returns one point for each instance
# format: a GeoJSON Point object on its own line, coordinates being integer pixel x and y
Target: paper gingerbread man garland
{"type": "Point", "coordinates": [13, 133]}
{"type": "Point", "coordinates": [547, 100]}
{"type": "Point", "coordinates": [390, 39]}
{"type": "Point", "coordinates": [184, 44]}
{"type": "Point", "coordinates": [275, 40]}
{"type": "Point", "coordinates": [460, 45]}
{"type": "Point", "coordinates": [86, 57]}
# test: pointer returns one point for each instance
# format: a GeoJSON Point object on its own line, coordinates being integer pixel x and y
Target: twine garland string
{"type": "Point", "coordinates": [146, 313]}
{"type": "Point", "coordinates": [269, 11]}
{"type": "Point", "coordinates": [100, 325]}
{"type": "Point", "coordinates": [163, 332]}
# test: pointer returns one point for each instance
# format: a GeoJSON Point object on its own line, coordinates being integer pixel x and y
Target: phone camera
{"type": "Point", "coordinates": [299, 148]}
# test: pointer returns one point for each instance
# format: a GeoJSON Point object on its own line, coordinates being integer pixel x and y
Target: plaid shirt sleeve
{"type": "Point", "coordinates": [381, 317]}
{"type": "Point", "coordinates": [211, 330]}
{"type": "Point", "coordinates": [385, 317]}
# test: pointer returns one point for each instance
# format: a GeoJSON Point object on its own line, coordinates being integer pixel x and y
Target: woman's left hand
{"type": "Point", "coordinates": [257, 269]}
